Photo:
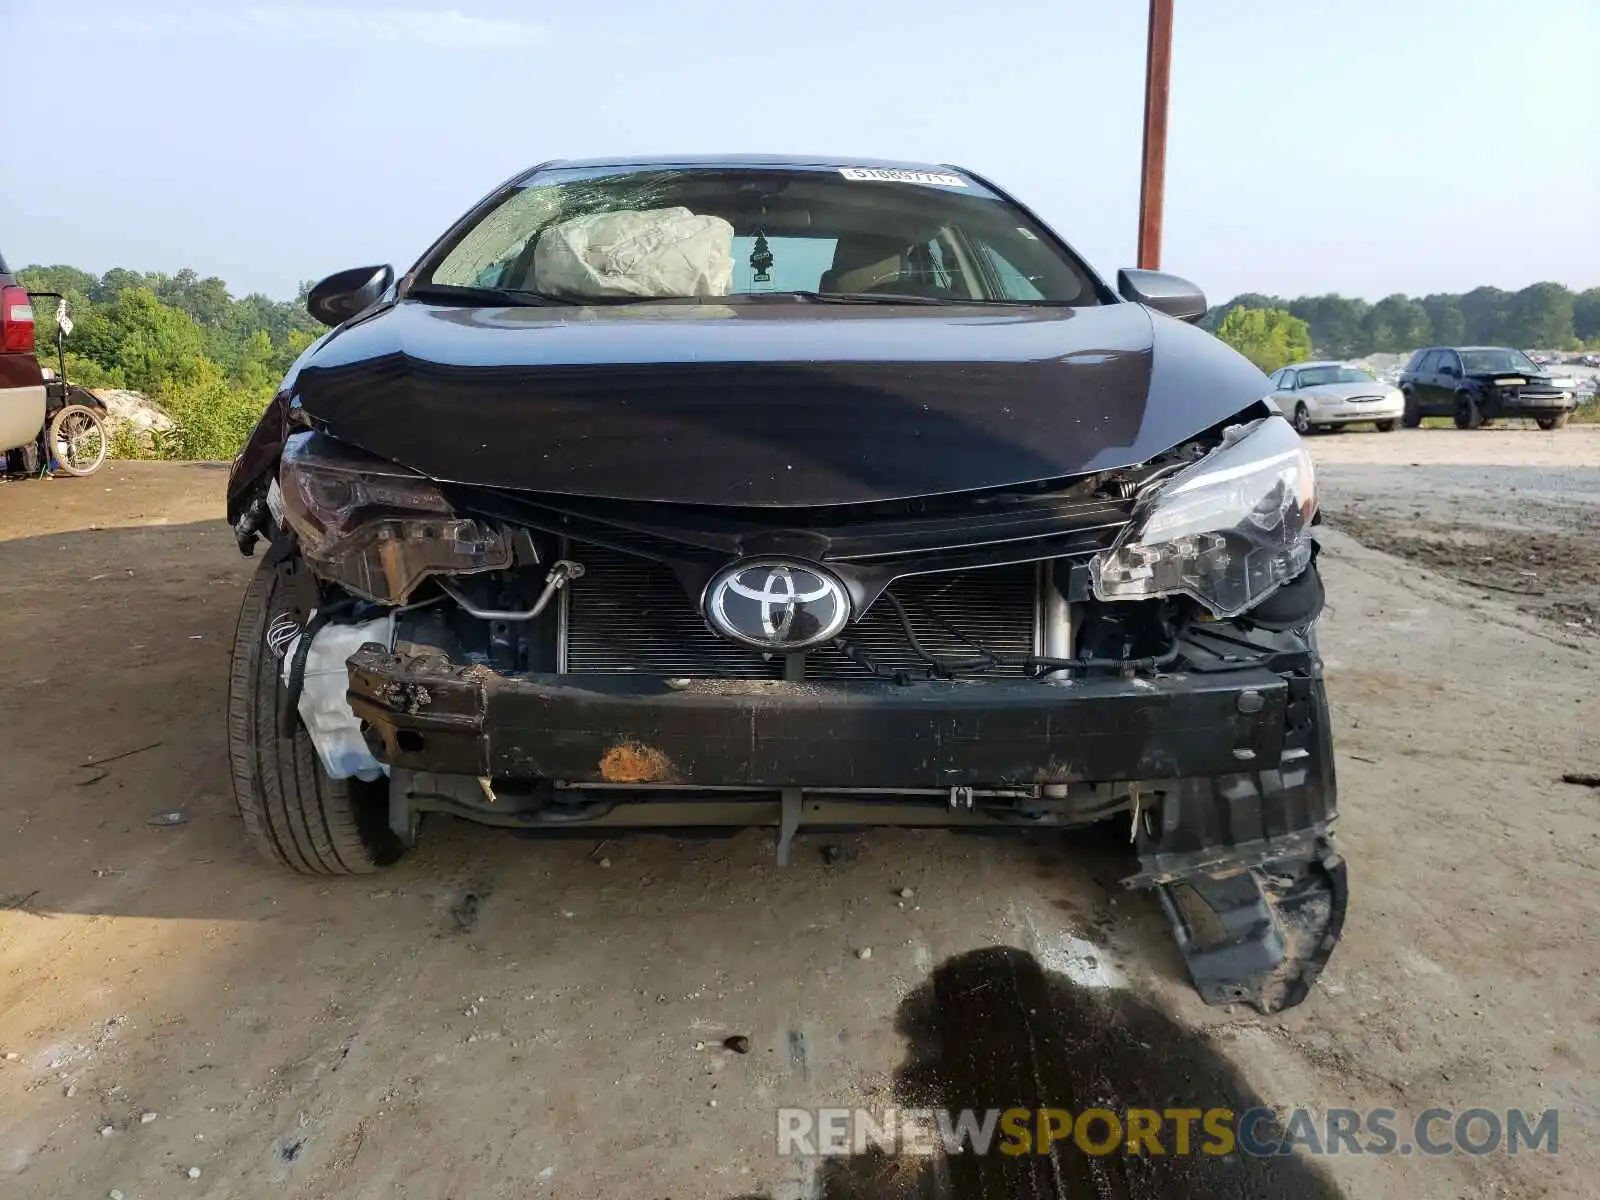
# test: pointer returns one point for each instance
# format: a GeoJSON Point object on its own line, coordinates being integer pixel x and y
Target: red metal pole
{"type": "Point", "coordinates": [1153, 170]}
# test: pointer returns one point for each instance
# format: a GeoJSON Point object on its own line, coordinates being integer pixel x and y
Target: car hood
{"type": "Point", "coordinates": [767, 404]}
{"type": "Point", "coordinates": [1535, 379]}
{"type": "Point", "coordinates": [1347, 391]}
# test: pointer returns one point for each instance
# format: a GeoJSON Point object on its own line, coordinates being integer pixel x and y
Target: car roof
{"type": "Point", "coordinates": [751, 160]}
{"type": "Point", "coordinates": [1321, 362]}
{"type": "Point", "coordinates": [1427, 348]}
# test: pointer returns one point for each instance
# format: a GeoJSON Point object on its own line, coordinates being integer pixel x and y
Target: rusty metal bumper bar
{"type": "Point", "coordinates": [426, 713]}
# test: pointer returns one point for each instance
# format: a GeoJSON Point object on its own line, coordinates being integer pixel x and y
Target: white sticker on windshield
{"type": "Point", "coordinates": [888, 175]}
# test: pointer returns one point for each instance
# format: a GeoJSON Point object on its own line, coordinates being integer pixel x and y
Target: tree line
{"type": "Point", "coordinates": [1544, 316]}
{"type": "Point", "coordinates": [209, 359]}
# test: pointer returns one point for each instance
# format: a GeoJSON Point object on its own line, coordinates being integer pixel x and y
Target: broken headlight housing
{"type": "Point", "coordinates": [374, 527]}
{"type": "Point", "coordinates": [1227, 531]}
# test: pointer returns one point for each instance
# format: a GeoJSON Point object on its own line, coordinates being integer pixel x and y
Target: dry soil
{"type": "Point", "coordinates": [529, 1018]}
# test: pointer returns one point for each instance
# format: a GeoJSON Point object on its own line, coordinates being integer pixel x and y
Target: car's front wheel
{"type": "Point", "coordinates": [1468, 414]}
{"type": "Point", "coordinates": [1384, 426]}
{"type": "Point", "coordinates": [1302, 419]}
{"type": "Point", "coordinates": [1411, 417]}
{"type": "Point", "coordinates": [1553, 421]}
{"type": "Point", "coordinates": [294, 812]}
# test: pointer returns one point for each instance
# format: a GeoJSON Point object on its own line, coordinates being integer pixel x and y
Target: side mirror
{"type": "Point", "coordinates": [1171, 294]}
{"type": "Point", "coordinates": [341, 296]}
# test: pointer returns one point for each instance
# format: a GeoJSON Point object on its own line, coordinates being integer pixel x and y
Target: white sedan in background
{"type": "Point", "coordinates": [1318, 395]}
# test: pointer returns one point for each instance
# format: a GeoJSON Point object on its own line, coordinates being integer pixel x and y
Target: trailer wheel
{"type": "Point", "coordinates": [78, 440]}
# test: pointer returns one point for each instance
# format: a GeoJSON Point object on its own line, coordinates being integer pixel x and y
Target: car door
{"type": "Point", "coordinates": [1276, 380]}
{"type": "Point", "coordinates": [1285, 395]}
{"type": "Point", "coordinates": [1421, 383]}
{"type": "Point", "coordinates": [1446, 379]}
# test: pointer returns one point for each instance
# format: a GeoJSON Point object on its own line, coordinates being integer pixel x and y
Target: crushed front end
{"type": "Point", "coordinates": [1135, 645]}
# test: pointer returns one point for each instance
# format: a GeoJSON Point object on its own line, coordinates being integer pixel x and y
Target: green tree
{"type": "Point", "coordinates": [1214, 317]}
{"type": "Point", "coordinates": [1396, 324]}
{"type": "Point", "coordinates": [1448, 326]}
{"type": "Point", "coordinates": [68, 280]}
{"type": "Point", "coordinates": [1540, 316]}
{"type": "Point", "coordinates": [116, 281]}
{"type": "Point", "coordinates": [1269, 337]}
{"type": "Point", "coordinates": [1486, 311]}
{"type": "Point", "coordinates": [155, 347]}
{"type": "Point", "coordinates": [1335, 323]}
{"type": "Point", "coordinates": [1586, 314]}
{"type": "Point", "coordinates": [206, 300]}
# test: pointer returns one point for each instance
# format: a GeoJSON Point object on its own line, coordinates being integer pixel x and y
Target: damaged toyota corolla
{"type": "Point", "coordinates": [799, 493]}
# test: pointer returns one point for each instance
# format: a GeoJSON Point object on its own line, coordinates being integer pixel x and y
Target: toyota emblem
{"type": "Point", "coordinates": [775, 604]}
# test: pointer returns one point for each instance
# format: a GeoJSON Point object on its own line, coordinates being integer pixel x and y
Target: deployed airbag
{"type": "Point", "coordinates": [654, 252]}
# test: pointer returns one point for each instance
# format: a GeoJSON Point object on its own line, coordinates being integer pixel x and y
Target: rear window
{"type": "Point", "coordinates": [582, 233]}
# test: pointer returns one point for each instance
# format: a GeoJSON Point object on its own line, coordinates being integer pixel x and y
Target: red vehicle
{"type": "Point", "coordinates": [68, 431]}
{"type": "Point", "coordinates": [22, 390]}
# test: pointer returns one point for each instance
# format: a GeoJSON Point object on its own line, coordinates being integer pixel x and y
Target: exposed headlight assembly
{"type": "Point", "coordinates": [1227, 531]}
{"type": "Point", "coordinates": [374, 527]}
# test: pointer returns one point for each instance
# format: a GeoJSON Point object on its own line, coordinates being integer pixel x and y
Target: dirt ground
{"type": "Point", "coordinates": [499, 1017]}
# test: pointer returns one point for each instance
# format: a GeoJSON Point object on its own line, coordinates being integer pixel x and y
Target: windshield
{"type": "Point", "coordinates": [610, 234]}
{"type": "Point", "coordinates": [1320, 376]}
{"type": "Point", "coordinates": [1490, 362]}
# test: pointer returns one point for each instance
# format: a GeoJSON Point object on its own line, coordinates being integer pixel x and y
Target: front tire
{"type": "Point", "coordinates": [1384, 426]}
{"type": "Point", "coordinates": [294, 813]}
{"type": "Point", "coordinates": [1411, 417]}
{"type": "Point", "coordinates": [1553, 421]}
{"type": "Point", "coordinates": [1302, 420]}
{"type": "Point", "coordinates": [1468, 414]}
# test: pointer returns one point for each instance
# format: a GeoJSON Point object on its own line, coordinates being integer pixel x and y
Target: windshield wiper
{"type": "Point", "coordinates": [870, 298]}
{"type": "Point", "coordinates": [463, 294]}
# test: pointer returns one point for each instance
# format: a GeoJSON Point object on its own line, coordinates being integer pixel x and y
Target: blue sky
{"type": "Point", "coordinates": [1359, 146]}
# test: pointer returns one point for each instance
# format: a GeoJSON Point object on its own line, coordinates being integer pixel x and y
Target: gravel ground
{"type": "Point", "coordinates": [532, 1018]}
{"type": "Point", "coordinates": [1514, 512]}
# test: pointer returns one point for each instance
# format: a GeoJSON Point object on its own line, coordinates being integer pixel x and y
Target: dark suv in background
{"type": "Point", "coordinates": [21, 381]}
{"type": "Point", "coordinates": [1477, 384]}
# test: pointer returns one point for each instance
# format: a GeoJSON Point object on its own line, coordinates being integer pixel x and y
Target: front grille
{"type": "Point", "coordinates": [632, 614]}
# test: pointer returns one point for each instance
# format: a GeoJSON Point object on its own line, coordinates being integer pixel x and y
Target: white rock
{"type": "Point", "coordinates": [107, 1130]}
{"type": "Point", "coordinates": [864, 952]}
{"type": "Point", "coordinates": [146, 1118]}
{"type": "Point", "coordinates": [194, 1172]}
{"type": "Point", "coordinates": [906, 893]}
{"type": "Point", "coordinates": [114, 1194]}
{"type": "Point", "coordinates": [13, 1056]}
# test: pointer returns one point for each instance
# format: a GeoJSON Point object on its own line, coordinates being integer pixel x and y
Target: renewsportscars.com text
{"type": "Point", "coordinates": [1261, 1132]}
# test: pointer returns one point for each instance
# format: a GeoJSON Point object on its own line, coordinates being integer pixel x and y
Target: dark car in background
{"type": "Point", "coordinates": [1479, 384]}
{"type": "Point", "coordinates": [799, 493]}
{"type": "Point", "coordinates": [22, 392]}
